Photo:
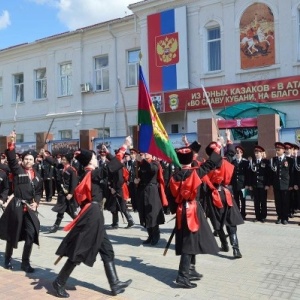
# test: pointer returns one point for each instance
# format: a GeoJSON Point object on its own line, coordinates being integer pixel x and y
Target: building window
{"type": "Point", "coordinates": [133, 67]}
{"type": "Point", "coordinates": [103, 132]}
{"type": "Point", "coordinates": [18, 88]}
{"type": "Point", "coordinates": [40, 84]}
{"type": "Point", "coordinates": [65, 134]}
{"type": "Point", "coordinates": [102, 73]}
{"type": "Point", "coordinates": [1, 92]}
{"type": "Point", "coordinates": [19, 138]}
{"type": "Point", "coordinates": [214, 49]}
{"type": "Point", "coordinates": [174, 128]}
{"type": "Point", "coordinates": [65, 73]}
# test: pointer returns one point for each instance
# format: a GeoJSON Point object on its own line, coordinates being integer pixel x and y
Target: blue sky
{"type": "Point", "coordinates": [24, 21]}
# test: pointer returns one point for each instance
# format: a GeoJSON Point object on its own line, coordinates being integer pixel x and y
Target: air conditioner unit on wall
{"type": "Point", "coordinates": [86, 87]}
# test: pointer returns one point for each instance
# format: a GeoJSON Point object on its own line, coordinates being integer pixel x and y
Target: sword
{"type": "Point", "coordinates": [15, 116]}
{"type": "Point", "coordinates": [58, 260]}
{"type": "Point", "coordinates": [119, 206]}
{"type": "Point", "coordinates": [29, 207]}
{"type": "Point", "coordinates": [46, 138]}
{"type": "Point", "coordinates": [172, 219]}
{"type": "Point", "coordinates": [169, 241]}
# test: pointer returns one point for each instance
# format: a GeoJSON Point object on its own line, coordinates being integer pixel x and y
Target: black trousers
{"type": "Point", "coordinates": [231, 229]}
{"type": "Point", "coordinates": [133, 194]}
{"type": "Point", "coordinates": [240, 201]}
{"type": "Point", "coordinates": [297, 198]}
{"type": "Point", "coordinates": [282, 203]}
{"type": "Point", "coordinates": [106, 250]}
{"type": "Point", "coordinates": [293, 201]}
{"type": "Point", "coordinates": [48, 186]}
{"type": "Point", "coordinates": [28, 229]}
{"type": "Point", "coordinates": [260, 203]}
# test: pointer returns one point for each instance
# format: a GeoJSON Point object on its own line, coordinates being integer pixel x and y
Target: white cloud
{"type": "Point", "coordinates": [80, 13]}
{"type": "Point", "coordinates": [4, 19]}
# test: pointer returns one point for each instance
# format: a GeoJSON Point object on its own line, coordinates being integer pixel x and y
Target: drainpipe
{"type": "Point", "coordinates": [116, 79]}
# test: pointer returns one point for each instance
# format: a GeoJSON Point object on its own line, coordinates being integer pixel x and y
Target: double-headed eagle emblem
{"type": "Point", "coordinates": [167, 49]}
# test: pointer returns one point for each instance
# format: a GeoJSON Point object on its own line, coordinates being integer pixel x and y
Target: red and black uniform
{"type": "Point", "coordinates": [222, 209]}
{"type": "Point", "coordinates": [87, 236]}
{"type": "Point", "coordinates": [19, 222]}
{"type": "Point", "coordinates": [193, 233]}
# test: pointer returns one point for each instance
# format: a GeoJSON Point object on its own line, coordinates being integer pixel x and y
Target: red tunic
{"type": "Point", "coordinates": [220, 176]}
{"type": "Point", "coordinates": [82, 193]}
{"type": "Point", "coordinates": [124, 185]}
{"type": "Point", "coordinates": [186, 191]}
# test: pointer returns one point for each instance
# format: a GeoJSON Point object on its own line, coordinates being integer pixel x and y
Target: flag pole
{"type": "Point", "coordinates": [211, 110]}
{"type": "Point", "coordinates": [138, 125]}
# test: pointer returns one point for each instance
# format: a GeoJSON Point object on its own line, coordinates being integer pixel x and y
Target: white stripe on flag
{"type": "Point", "coordinates": [182, 65]}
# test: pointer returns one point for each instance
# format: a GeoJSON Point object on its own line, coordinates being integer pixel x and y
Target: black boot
{"type": "Point", "coordinates": [235, 246]}
{"type": "Point", "coordinates": [155, 235]}
{"type": "Point", "coordinates": [183, 278]}
{"type": "Point", "coordinates": [55, 227]}
{"type": "Point", "coordinates": [7, 258]}
{"type": "Point", "coordinates": [116, 285]}
{"type": "Point", "coordinates": [25, 265]}
{"type": "Point", "coordinates": [224, 243]}
{"type": "Point", "coordinates": [194, 275]}
{"type": "Point", "coordinates": [149, 239]}
{"type": "Point", "coordinates": [129, 219]}
{"type": "Point", "coordinates": [115, 220]}
{"type": "Point", "coordinates": [60, 281]}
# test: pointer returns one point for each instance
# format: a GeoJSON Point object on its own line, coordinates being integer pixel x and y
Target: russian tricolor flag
{"type": "Point", "coordinates": [167, 50]}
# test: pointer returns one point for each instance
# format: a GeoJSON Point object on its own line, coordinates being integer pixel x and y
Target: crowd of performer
{"type": "Point", "coordinates": [207, 195]}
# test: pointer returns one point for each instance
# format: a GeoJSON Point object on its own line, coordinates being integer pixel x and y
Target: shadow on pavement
{"type": "Point", "coordinates": [163, 275]}
{"type": "Point", "coordinates": [42, 278]}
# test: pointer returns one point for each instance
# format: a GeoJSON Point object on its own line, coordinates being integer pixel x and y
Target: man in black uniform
{"type": "Point", "coordinates": [19, 220]}
{"type": "Point", "coordinates": [67, 181]}
{"type": "Point", "coordinates": [115, 202]}
{"type": "Point", "coordinates": [238, 181]}
{"type": "Point", "coordinates": [4, 187]}
{"type": "Point", "coordinates": [48, 165]}
{"type": "Point", "coordinates": [87, 236]}
{"type": "Point", "coordinates": [151, 195]}
{"type": "Point", "coordinates": [296, 177]}
{"type": "Point", "coordinates": [289, 152]}
{"type": "Point", "coordinates": [132, 167]}
{"type": "Point", "coordinates": [5, 168]}
{"type": "Point", "coordinates": [259, 175]}
{"type": "Point", "coordinates": [282, 181]}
